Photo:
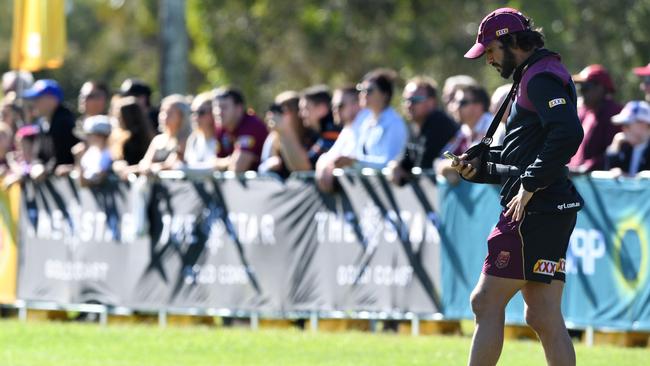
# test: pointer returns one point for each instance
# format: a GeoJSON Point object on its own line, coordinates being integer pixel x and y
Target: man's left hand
{"type": "Point", "coordinates": [517, 205]}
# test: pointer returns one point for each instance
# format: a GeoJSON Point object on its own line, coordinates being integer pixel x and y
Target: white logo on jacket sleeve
{"type": "Point", "coordinates": [557, 101]}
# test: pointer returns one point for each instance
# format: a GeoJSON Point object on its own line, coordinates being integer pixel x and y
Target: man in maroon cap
{"type": "Point", "coordinates": [595, 113]}
{"type": "Point", "coordinates": [526, 250]}
{"type": "Point", "coordinates": [644, 73]}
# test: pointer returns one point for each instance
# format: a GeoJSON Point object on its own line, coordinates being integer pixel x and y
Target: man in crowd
{"type": "Point", "coordinates": [598, 106]}
{"type": "Point", "coordinates": [12, 81]}
{"type": "Point", "coordinates": [431, 130]}
{"type": "Point", "coordinates": [382, 132]}
{"type": "Point", "coordinates": [240, 134]}
{"type": "Point", "coordinates": [56, 123]}
{"type": "Point", "coordinates": [346, 110]}
{"type": "Point", "coordinates": [527, 248]}
{"type": "Point", "coordinates": [470, 106]}
{"type": "Point", "coordinates": [93, 99]}
{"type": "Point", "coordinates": [644, 73]}
{"type": "Point", "coordinates": [300, 153]}
{"type": "Point", "coordinates": [629, 153]}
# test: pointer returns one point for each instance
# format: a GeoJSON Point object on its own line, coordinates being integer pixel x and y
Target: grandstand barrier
{"type": "Point", "coordinates": [261, 248]}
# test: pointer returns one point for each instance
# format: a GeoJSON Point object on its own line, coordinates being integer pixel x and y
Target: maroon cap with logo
{"type": "Point", "coordinates": [498, 23]}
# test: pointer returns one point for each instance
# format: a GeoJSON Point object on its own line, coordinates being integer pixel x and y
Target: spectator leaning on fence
{"type": "Point", "coordinates": [131, 138]}
{"type": "Point", "coordinates": [166, 149]}
{"type": "Point", "coordinates": [382, 134]}
{"type": "Point", "coordinates": [598, 106]}
{"type": "Point", "coordinates": [95, 163]}
{"type": "Point", "coordinates": [300, 153]}
{"type": "Point", "coordinates": [644, 73]}
{"type": "Point", "coordinates": [202, 146]}
{"type": "Point", "coordinates": [55, 121]}
{"type": "Point", "coordinates": [283, 114]}
{"type": "Point", "coordinates": [629, 153]}
{"type": "Point", "coordinates": [431, 129]}
{"type": "Point", "coordinates": [240, 134]}
{"type": "Point", "coordinates": [347, 114]}
{"type": "Point", "coordinates": [23, 161]}
{"type": "Point", "coordinates": [470, 106]}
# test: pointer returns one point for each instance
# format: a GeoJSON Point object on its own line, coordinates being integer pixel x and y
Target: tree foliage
{"type": "Point", "coordinates": [265, 46]}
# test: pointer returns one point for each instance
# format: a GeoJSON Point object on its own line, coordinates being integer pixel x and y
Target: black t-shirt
{"type": "Point", "coordinates": [438, 129]}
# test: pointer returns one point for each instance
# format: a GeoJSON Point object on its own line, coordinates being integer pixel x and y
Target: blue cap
{"type": "Point", "coordinates": [43, 87]}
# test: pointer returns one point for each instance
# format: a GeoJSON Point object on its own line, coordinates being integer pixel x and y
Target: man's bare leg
{"type": "Point", "coordinates": [544, 315]}
{"type": "Point", "coordinates": [489, 300]}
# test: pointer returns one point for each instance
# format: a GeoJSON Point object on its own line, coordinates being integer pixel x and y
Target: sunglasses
{"type": "Point", "coordinates": [414, 99]}
{"type": "Point", "coordinates": [464, 102]}
{"type": "Point", "coordinates": [201, 111]}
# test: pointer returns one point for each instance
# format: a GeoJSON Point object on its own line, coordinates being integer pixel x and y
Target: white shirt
{"type": "Point", "coordinates": [199, 151]}
{"type": "Point", "coordinates": [346, 143]}
{"type": "Point", "coordinates": [95, 161]}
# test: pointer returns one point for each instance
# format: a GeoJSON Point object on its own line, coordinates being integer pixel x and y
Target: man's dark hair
{"type": "Point", "coordinates": [527, 40]}
{"type": "Point", "coordinates": [384, 80]}
{"type": "Point", "coordinates": [101, 86]}
{"type": "Point", "coordinates": [349, 89]}
{"type": "Point", "coordinates": [317, 94]}
{"type": "Point", "coordinates": [479, 95]}
{"type": "Point", "coordinates": [429, 85]}
{"type": "Point", "coordinates": [230, 92]}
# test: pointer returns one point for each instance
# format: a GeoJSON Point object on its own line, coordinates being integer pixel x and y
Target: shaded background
{"type": "Point", "coordinates": [265, 46]}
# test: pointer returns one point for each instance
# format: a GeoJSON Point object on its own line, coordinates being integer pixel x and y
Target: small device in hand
{"type": "Point", "coordinates": [451, 156]}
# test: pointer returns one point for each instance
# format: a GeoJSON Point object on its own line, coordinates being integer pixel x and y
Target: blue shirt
{"type": "Point", "coordinates": [380, 139]}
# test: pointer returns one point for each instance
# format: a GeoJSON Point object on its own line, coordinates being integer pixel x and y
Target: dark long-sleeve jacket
{"type": "Point", "coordinates": [542, 134]}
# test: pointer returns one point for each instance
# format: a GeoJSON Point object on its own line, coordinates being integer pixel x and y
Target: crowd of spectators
{"type": "Point", "coordinates": [317, 129]}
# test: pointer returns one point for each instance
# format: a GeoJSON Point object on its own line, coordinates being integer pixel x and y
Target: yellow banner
{"type": "Point", "coordinates": [39, 35]}
{"type": "Point", "coordinates": [9, 204]}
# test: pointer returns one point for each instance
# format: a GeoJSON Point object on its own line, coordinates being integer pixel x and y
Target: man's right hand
{"type": "Point", "coordinates": [466, 168]}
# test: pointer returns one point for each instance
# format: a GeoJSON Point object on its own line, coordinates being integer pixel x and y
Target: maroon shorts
{"type": "Point", "coordinates": [532, 249]}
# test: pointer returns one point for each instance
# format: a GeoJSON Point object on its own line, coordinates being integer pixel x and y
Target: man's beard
{"type": "Point", "coordinates": [509, 63]}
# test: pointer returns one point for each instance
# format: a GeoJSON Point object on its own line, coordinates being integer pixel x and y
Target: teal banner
{"type": "Point", "coordinates": [607, 260]}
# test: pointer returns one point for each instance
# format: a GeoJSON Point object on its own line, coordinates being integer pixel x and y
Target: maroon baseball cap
{"type": "Point", "coordinates": [497, 23]}
{"type": "Point", "coordinates": [597, 74]}
{"type": "Point", "coordinates": [643, 70]}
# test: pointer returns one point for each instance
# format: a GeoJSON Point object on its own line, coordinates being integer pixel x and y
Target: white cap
{"type": "Point", "coordinates": [636, 110]}
{"type": "Point", "coordinates": [97, 125]}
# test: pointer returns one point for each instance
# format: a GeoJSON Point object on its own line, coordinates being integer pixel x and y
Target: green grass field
{"type": "Point", "coordinates": [70, 344]}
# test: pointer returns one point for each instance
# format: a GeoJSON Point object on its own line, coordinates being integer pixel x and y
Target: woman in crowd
{"type": "Point", "coordinates": [131, 137]}
{"type": "Point", "coordinates": [201, 148]}
{"type": "Point", "coordinates": [166, 149]}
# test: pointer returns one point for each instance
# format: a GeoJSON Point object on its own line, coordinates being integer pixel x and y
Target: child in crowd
{"type": "Point", "coordinates": [95, 163]}
{"type": "Point", "coordinates": [23, 161]}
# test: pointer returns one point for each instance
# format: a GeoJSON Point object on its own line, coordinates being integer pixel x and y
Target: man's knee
{"type": "Point", "coordinates": [482, 303]}
{"type": "Point", "coordinates": [542, 318]}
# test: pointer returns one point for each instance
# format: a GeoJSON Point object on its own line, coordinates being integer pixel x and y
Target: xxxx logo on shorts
{"type": "Point", "coordinates": [561, 266]}
{"type": "Point", "coordinates": [502, 260]}
{"type": "Point", "coordinates": [545, 267]}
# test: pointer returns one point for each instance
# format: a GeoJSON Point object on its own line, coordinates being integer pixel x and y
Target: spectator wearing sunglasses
{"type": "Point", "coordinates": [644, 73]}
{"type": "Point", "coordinates": [596, 89]}
{"type": "Point", "coordinates": [431, 128]}
{"type": "Point", "coordinates": [470, 106]}
{"type": "Point", "coordinates": [202, 146]}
